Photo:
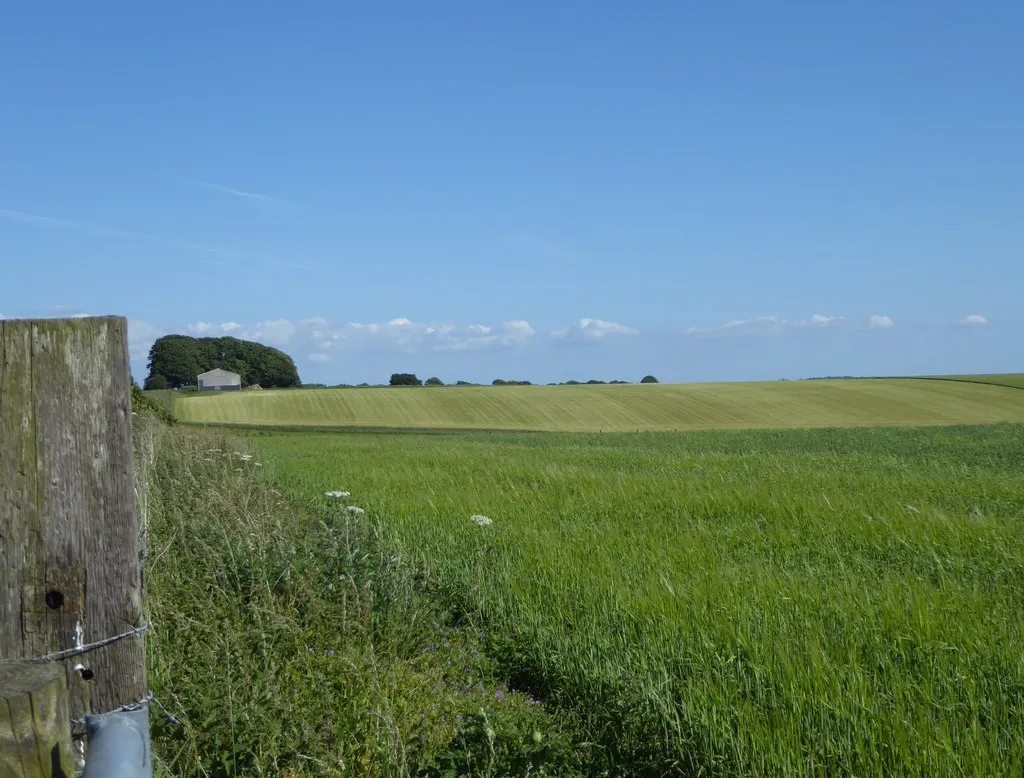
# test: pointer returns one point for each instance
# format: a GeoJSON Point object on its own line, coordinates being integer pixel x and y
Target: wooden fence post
{"type": "Point", "coordinates": [69, 536]}
{"type": "Point", "coordinates": [35, 731]}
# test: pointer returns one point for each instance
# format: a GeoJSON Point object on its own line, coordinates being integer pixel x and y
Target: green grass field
{"type": "Point", "coordinates": [801, 602]}
{"type": "Point", "coordinates": [848, 403]}
{"type": "Point", "coordinates": [1015, 380]}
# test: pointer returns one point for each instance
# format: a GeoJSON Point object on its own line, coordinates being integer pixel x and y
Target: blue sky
{"type": "Point", "coordinates": [727, 190]}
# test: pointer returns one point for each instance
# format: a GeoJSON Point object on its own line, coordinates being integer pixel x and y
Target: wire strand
{"type": "Point", "coordinates": [76, 650]}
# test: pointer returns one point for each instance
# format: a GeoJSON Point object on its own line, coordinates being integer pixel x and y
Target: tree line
{"type": "Point", "coordinates": [410, 379]}
{"type": "Point", "coordinates": [176, 360]}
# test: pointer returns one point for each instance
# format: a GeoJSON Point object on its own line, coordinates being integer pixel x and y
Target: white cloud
{"type": "Point", "coordinates": [974, 320]}
{"type": "Point", "coordinates": [758, 324]}
{"type": "Point", "coordinates": [322, 338]}
{"type": "Point", "coordinates": [141, 335]}
{"type": "Point", "coordinates": [770, 325]}
{"type": "Point", "coordinates": [879, 321]}
{"type": "Point", "coordinates": [818, 320]}
{"type": "Point", "coordinates": [274, 332]}
{"type": "Point", "coordinates": [592, 330]}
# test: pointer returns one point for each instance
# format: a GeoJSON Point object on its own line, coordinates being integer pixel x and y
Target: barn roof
{"type": "Point", "coordinates": [218, 372]}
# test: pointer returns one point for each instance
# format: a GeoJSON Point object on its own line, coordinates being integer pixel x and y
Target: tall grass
{"type": "Point", "coordinates": [289, 642]}
{"type": "Point", "coordinates": [757, 603]}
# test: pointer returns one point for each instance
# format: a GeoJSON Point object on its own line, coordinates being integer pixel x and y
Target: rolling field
{"type": "Point", "coordinates": [1015, 380]}
{"type": "Point", "coordinates": [849, 403]}
{"type": "Point", "coordinates": [799, 602]}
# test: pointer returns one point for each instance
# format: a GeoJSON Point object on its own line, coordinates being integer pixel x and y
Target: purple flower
{"type": "Point", "coordinates": [499, 694]}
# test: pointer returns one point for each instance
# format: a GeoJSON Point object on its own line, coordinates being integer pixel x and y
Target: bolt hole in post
{"type": "Point", "coordinates": [54, 599]}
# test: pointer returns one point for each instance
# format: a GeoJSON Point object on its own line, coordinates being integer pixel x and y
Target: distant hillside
{"type": "Point", "coordinates": [878, 402]}
{"type": "Point", "coordinates": [1016, 380]}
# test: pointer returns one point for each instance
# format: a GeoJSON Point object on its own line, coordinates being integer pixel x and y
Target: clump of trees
{"type": "Point", "coordinates": [404, 379]}
{"type": "Point", "coordinates": [648, 379]}
{"type": "Point", "coordinates": [503, 382]}
{"type": "Point", "coordinates": [176, 360]}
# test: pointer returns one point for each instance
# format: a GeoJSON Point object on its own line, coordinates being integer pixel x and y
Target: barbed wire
{"type": "Point", "coordinates": [86, 647]}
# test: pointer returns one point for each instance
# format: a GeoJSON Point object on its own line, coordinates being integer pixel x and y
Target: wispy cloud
{"type": "Point", "coordinates": [769, 325]}
{"type": "Point", "coordinates": [592, 331]}
{"type": "Point", "coordinates": [324, 340]}
{"type": "Point", "coordinates": [974, 320]}
{"type": "Point", "coordinates": [878, 321]}
{"type": "Point", "coordinates": [241, 258]}
{"type": "Point", "coordinates": [69, 224]}
{"type": "Point", "coordinates": [757, 324]}
{"type": "Point", "coordinates": [819, 320]}
{"type": "Point", "coordinates": [254, 196]}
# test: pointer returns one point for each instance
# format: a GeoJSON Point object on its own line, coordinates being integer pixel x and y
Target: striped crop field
{"type": "Point", "coordinates": [808, 602]}
{"type": "Point", "coordinates": [1015, 380]}
{"type": "Point", "coordinates": [832, 403]}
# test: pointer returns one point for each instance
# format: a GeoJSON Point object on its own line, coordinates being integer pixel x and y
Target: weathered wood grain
{"type": "Point", "coordinates": [69, 541]}
{"type": "Point", "coordinates": [35, 729]}
{"type": "Point", "coordinates": [21, 521]}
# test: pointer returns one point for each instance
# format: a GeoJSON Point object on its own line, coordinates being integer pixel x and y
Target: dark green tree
{"type": "Point", "coordinates": [180, 358]}
{"type": "Point", "coordinates": [404, 379]}
{"type": "Point", "coordinates": [648, 379]}
{"type": "Point", "coordinates": [156, 382]}
{"type": "Point", "coordinates": [434, 381]}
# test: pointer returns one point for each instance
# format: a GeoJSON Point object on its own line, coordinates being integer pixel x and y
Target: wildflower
{"type": "Point", "coordinates": [355, 510]}
{"type": "Point", "coordinates": [499, 694]}
{"type": "Point", "coordinates": [338, 495]}
{"type": "Point", "coordinates": [245, 457]}
{"type": "Point", "coordinates": [480, 521]}
{"type": "Point", "coordinates": [258, 464]}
